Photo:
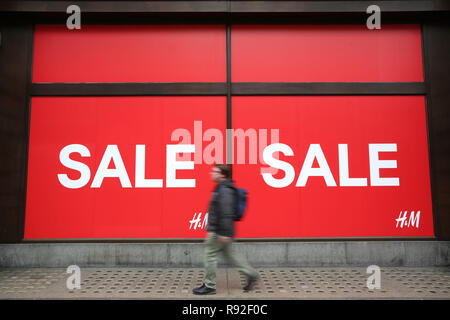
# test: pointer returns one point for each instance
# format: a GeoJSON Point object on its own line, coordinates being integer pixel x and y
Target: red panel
{"type": "Point", "coordinates": [320, 210]}
{"type": "Point", "coordinates": [326, 53]}
{"type": "Point", "coordinates": [316, 209]}
{"type": "Point", "coordinates": [129, 54]}
{"type": "Point", "coordinates": [114, 211]}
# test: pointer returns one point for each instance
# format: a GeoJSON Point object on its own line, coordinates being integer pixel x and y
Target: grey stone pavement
{"type": "Point", "coordinates": [177, 283]}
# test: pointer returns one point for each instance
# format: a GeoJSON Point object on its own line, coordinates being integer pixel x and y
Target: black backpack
{"type": "Point", "coordinates": [241, 203]}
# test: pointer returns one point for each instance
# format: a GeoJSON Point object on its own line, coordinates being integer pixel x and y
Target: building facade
{"type": "Point", "coordinates": [333, 114]}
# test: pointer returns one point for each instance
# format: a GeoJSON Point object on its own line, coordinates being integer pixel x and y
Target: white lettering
{"type": "Point", "coordinates": [73, 21]}
{"type": "Point", "coordinates": [215, 147]}
{"type": "Point", "coordinates": [185, 136]}
{"type": "Point", "coordinates": [315, 152]}
{"type": "Point", "coordinates": [414, 219]}
{"type": "Point", "coordinates": [344, 179]}
{"type": "Point", "coordinates": [376, 164]}
{"type": "Point", "coordinates": [140, 181]}
{"type": "Point", "coordinates": [241, 136]}
{"type": "Point", "coordinates": [172, 165]}
{"type": "Point", "coordinates": [75, 165]}
{"type": "Point", "coordinates": [74, 280]}
{"type": "Point", "coordinates": [374, 281]}
{"type": "Point", "coordinates": [374, 21]}
{"type": "Point", "coordinates": [286, 167]}
{"type": "Point", "coordinates": [199, 310]}
{"type": "Point", "coordinates": [111, 153]}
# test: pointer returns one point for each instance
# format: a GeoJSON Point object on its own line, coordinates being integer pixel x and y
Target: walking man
{"type": "Point", "coordinates": [221, 231]}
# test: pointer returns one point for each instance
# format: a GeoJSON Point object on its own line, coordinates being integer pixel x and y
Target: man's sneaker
{"type": "Point", "coordinates": [250, 283]}
{"type": "Point", "coordinates": [203, 290]}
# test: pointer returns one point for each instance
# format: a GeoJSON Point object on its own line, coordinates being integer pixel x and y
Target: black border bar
{"type": "Point", "coordinates": [328, 88]}
{"type": "Point", "coordinates": [228, 89]}
{"type": "Point", "coordinates": [116, 6]}
{"type": "Point", "coordinates": [129, 89]}
{"type": "Point", "coordinates": [225, 6]}
{"type": "Point", "coordinates": [236, 240]}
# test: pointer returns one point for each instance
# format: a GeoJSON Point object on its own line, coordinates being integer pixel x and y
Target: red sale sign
{"type": "Point", "coordinates": [138, 167]}
{"type": "Point", "coordinates": [346, 167]}
{"type": "Point", "coordinates": [121, 167]}
{"type": "Point", "coordinates": [313, 166]}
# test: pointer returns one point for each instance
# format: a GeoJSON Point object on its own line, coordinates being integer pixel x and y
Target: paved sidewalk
{"type": "Point", "coordinates": [275, 283]}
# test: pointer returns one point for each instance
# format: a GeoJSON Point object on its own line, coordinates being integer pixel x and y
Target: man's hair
{"type": "Point", "coordinates": [225, 169]}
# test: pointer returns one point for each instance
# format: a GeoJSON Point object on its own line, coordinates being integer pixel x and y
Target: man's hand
{"type": "Point", "coordinates": [224, 239]}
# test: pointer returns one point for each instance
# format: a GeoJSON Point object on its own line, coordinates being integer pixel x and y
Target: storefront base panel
{"type": "Point", "coordinates": [259, 254]}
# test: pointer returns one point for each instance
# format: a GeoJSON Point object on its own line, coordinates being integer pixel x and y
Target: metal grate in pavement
{"type": "Point", "coordinates": [312, 282]}
{"type": "Point", "coordinates": [346, 282]}
{"type": "Point", "coordinates": [284, 283]}
{"type": "Point", "coordinates": [27, 281]}
{"type": "Point", "coordinates": [147, 282]}
{"type": "Point", "coordinates": [421, 281]}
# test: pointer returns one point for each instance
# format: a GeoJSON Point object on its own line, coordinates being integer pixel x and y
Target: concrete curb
{"type": "Point", "coordinates": [259, 254]}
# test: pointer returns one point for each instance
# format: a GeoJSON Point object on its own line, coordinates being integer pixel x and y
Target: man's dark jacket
{"type": "Point", "coordinates": [222, 209]}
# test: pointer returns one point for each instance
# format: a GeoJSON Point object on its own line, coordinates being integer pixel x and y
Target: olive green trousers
{"type": "Point", "coordinates": [212, 247]}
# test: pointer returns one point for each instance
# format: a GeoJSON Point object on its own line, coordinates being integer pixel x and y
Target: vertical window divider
{"type": "Point", "coordinates": [229, 138]}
